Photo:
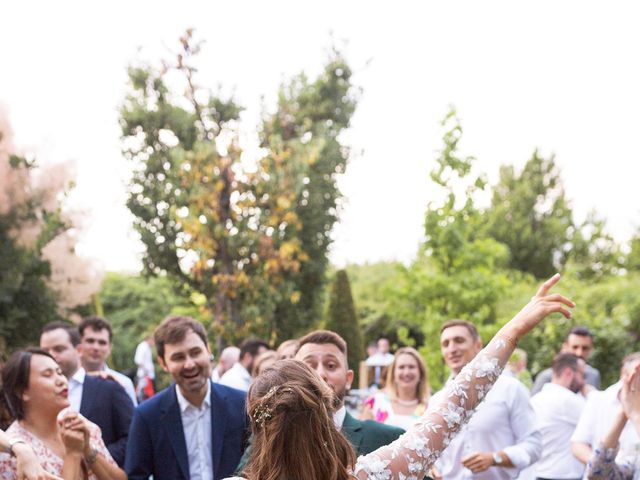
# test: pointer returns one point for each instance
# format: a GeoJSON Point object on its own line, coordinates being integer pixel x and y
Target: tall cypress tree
{"type": "Point", "coordinates": [343, 320]}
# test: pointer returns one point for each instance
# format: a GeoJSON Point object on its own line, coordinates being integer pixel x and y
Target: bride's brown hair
{"type": "Point", "coordinates": [294, 436]}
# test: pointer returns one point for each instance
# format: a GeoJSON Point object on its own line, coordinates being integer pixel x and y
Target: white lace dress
{"type": "Point", "coordinates": [412, 455]}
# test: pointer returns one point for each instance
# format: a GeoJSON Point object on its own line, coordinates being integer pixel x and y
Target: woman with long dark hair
{"type": "Point", "coordinates": [294, 436]}
{"type": "Point", "coordinates": [35, 392]}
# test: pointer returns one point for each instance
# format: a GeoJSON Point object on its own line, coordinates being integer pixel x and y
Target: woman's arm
{"type": "Point", "coordinates": [602, 464]}
{"type": "Point", "coordinates": [417, 450]}
{"type": "Point", "coordinates": [29, 467]}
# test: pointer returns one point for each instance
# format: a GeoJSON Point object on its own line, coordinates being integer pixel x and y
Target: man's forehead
{"type": "Point", "coordinates": [455, 331]}
{"type": "Point", "coordinates": [579, 339]}
{"type": "Point", "coordinates": [318, 350]}
{"type": "Point", "coordinates": [55, 336]}
{"type": "Point", "coordinates": [89, 331]}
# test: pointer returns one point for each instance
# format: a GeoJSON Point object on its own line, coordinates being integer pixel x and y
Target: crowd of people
{"type": "Point", "coordinates": [280, 414]}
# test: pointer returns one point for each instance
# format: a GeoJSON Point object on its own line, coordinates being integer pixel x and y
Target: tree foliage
{"type": "Point", "coordinates": [342, 318]}
{"type": "Point", "coordinates": [530, 214]}
{"type": "Point", "coordinates": [252, 241]}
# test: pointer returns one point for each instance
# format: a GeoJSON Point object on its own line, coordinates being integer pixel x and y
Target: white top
{"type": "Point", "coordinates": [196, 424]}
{"type": "Point", "coordinates": [412, 455]}
{"type": "Point", "coordinates": [143, 358]}
{"type": "Point", "coordinates": [380, 359]}
{"type": "Point", "coordinates": [76, 383]}
{"type": "Point", "coordinates": [338, 417]}
{"type": "Point", "coordinates": [504, 421]}
{"type": "Point", "coordinates": [558, 410]}
{"type": "Point", "coordinates": [124, 381]}
{"type": "Point", "coordinates": [237, 377]}
{"type": "Point", "coordinates": [598, 416]}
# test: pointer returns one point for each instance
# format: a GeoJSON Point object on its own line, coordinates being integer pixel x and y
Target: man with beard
{"type": "Point", "coordinates": [194, 429]}
{"type": "Point", "coordinates": [326, 353]}
{"type": "Point", "coordinates": [558, 407]}
{"type": "Point", "coordinates": [239, 375]}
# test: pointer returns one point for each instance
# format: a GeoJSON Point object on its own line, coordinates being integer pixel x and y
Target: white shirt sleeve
{"type": "Point", "coordinates": [528, 446]}
{"type": "Point", "coordinates": [586, 425]}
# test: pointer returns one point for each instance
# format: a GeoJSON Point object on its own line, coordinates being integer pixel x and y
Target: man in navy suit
{"type": "Point", "coordinates": [104, 402]}
{"type": "Point", "coordinates": [194, 429]}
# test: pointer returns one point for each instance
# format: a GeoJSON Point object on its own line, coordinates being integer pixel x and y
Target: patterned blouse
{"type": "Point", "coordinates": [607, 464]}
{"type": "Point", "coordinates": [412, 455]}
{"type": "Point", "coordinates": [51, 462]}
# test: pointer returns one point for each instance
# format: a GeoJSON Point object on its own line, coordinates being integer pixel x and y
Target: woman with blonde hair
{"type": "Point", "coordinates": [406, 393]}
{"type": "Point", "coordinates": [294, 435]}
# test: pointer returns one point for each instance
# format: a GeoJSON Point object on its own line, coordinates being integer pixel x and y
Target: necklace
{"type": "Point", "coordinates": [406, 403]}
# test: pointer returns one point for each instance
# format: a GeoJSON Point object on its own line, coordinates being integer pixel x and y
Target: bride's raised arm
{"type": "Point", "coordinates": [411, 456]}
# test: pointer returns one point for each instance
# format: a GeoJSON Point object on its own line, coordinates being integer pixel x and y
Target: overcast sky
{"type": "Point", "coordinates": [562, 76]}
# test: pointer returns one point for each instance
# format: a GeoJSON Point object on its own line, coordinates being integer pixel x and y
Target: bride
{"type": "Point", "coordinates": [294, 436]}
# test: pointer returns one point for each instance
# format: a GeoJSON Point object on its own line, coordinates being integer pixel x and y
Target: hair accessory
{"type": "Point", "coordinates": [263, 412]}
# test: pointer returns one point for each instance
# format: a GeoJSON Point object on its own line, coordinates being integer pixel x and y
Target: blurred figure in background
{"type": "Point", "coordinates": [288, 349]}
{"type": "Point", "coordinates": [239, 376]}
{"type": "Point", "coordinates": [406, 393]}
{"type": "Point", "coordinates": [95, 348]}
{"type": "Point", "coordinates": [517, 366]}
{"type": "Point", "coordinates": [228, 358]}
{"type": "Point", "coordinates": [381, 359]}
{"type": "Point", "coordinates": [264, 361]}
{"type": "Point", "coordinates": [146, 373]}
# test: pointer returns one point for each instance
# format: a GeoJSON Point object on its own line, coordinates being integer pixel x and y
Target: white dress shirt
{"type": "Point", "coordinates": [237, 377]}
{"type": "Point", "coordinates": [143, 358]}
{"type": "Point", "coordinates": [598, 416]}
{"type": "Point", "coordinates": [558, 410]}
{"type": "Point", "coordinates": [504, 421]}
{"type": "Point", "coordinates": [196, 424]}
{"type": "Point", "coordinates": [338, 417]}
{"type": "Point", "coordinates": [124, 381]}
{"type": "Point", "coordinates": [76, 383]}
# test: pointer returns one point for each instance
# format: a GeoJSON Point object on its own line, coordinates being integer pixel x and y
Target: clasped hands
{"type": "Point", "coordinates": [76, 434]}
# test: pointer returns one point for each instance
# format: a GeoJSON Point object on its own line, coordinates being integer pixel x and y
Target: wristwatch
{"type": "Point", "coordinates": [497, 458]}
{"type": "Point", "coordinates": [12, 442]}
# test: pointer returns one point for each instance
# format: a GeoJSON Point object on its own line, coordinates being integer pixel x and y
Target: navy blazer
{"type": "Point", "coordinates": [157, 445]}
{"type": "Point", "coordinates": [105, 403]}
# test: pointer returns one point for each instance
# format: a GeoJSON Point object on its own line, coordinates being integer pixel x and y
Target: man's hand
{"type": "Point", "coordinates": [103, 375]}
{"type": "Point", "coordinates": [435, 474]}
{"type": "Point", "coordinates": [478, 462]}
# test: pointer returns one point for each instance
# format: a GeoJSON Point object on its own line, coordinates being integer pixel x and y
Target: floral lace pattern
{"type": "Point", "coordinates": [412, 455]}
{"type": "Point", "coordinates": [51, 462]}
{"type": "Point", "coordinates": [603, 465]}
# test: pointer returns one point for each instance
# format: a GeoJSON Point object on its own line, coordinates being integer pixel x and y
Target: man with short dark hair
{"type": "Point", "coordinates": [579, 341]}
{"type": "Point", "coordinates": [104, 402]}
{"type": "Point", "coordinates": [558, 406]}
{"type": "Point", "coordinates": [239, 375]}
{"type": "Point", "coordinates": [194, 429]}
{"type": "Point", "coordinates": [95, 347]}
{"type": "Point", "coordinates": [326, 352]}
{"type": "Point", "coordinates": [501, 438]}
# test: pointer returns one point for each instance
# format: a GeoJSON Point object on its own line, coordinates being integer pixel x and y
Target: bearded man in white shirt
{"type": "Point", "coordinates": [558, 406]}
{"type": "Point", "coordinates": [239, 375]}
{"type": "Point", "coordinates": [501, 439]}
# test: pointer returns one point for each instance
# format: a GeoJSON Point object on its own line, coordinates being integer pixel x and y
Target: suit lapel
{"type": "Point", "coordinates": [218, 422]}
{"type": "Point", "coordinates": [172, 422]}
{"type": "Point", "coordinates": [352, 429]}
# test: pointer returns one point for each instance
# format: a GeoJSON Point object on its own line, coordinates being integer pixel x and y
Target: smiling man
{"type": "Point", "coordinates": [501, 438]}
{"type": "Point", "coordinates": [194, 429]}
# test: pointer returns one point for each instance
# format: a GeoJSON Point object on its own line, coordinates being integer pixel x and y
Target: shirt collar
{"type": "Point", "coordinates": [79, 376]}
{"type": "Point", "coordinates": [339, 415]}
{"type": "Point", "coordinates": [184, 403]}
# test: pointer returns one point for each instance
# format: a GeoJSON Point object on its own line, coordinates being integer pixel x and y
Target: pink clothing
{"type": "Point", "coordinates": [51, 462]}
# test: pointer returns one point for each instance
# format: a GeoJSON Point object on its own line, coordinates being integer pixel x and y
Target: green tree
{"type": "Point", "coordinates": [342, 319]}
{"type": "Point", "coordinates": [253, 242]}
{"type": "Point", "coordinates": [459, 272]}
{"type": "Point", "coordinates": [530, 214]}
{"type": "Point", "coordinates": [632, 262]}
{"type": "Point", "coordinates": [305, 132]}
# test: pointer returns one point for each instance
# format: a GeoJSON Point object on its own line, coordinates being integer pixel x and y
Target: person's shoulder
{"type": "Point", "coordinates": [153, 405]}
{"type": "Point", "coordinates": [371, 427]}
{"type": "Point", "coordinates": [230, 393]}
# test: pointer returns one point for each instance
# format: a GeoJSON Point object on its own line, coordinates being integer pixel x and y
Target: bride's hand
{"type": "Point", "coordinates": [541, 305]}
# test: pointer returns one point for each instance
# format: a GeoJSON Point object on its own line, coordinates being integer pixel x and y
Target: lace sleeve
{"type": "Point", "coordinates": [411, 456]}
{"type": "Point", "coordinates": [602, 465]}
